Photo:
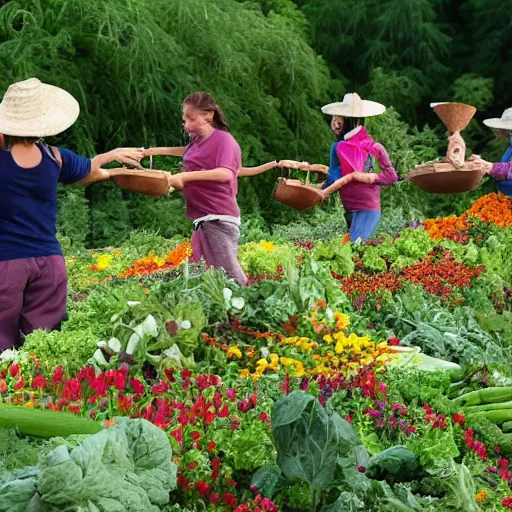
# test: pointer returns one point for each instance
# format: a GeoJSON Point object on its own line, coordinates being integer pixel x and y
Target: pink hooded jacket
{"type": "Point", "coordinates": [352, 154]}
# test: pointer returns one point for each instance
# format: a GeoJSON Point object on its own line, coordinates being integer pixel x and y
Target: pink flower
{"type": "Point", "coordinates": [373, 413]}
{"type": "Point", "coordinates": [231, 394]}
{"type": "Point", "coordinates": [383, 389]}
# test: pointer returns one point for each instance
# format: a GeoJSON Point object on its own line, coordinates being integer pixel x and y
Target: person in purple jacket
{"type": "Point", "coordinates": [365, 165]}
{"type": "Point", "coordinates": [33, 278]}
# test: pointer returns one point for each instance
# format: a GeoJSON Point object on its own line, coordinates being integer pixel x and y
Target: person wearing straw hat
{"type": "Point", "coordinates": [358, 166]}
{"type": "Point", "coordinates": [33, 278]}
{"type": "Point", "coordinates": [501, 171]}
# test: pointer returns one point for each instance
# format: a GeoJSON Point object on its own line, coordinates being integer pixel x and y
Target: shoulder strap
{"type": "Point", "coordinates": [53, 153]}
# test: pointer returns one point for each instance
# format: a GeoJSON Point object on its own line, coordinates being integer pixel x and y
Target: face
{"type": "Point", "coordinates": [196, 122]}
{"type": "Point", "coordinates": [337, 124]}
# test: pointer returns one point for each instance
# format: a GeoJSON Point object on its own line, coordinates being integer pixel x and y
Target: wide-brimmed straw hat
{"type": "Point", "coordinates": [501, 123]}
{"type": "Point", "coordinates": [353, 106]}
{"type": "Point", "coordinates": [33, 109]}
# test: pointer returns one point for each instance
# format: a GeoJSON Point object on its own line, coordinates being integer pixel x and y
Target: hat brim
{"type": "Point", "coordinates": [62, 112]}
{"type": "Point", "coordinates": [498, 124]}
{"type": "Point", "coordinates": [369, 109]}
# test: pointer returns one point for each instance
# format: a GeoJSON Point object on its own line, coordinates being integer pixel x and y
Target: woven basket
{"type": "Point", "coordinates": [297, 195]}
{"type": "Point", "coordinates": [148, 182]}
{"type": "Point", "coordinates": [443, 178]}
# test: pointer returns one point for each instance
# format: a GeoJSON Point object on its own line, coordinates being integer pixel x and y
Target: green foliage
{"type": "Point", "coordinates": [71, 349]}
{"type": "Point", "coordinates": [396, 464]}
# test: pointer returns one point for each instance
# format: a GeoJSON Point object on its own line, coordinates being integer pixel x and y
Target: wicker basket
{"type": "Point", "coordinates": [443, 178]}
{"type": "Point", "coordinates": [297, 195]}
{"type": "Point", "coordinates": [148, 182]}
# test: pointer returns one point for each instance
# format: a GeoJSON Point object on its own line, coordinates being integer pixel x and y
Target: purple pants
{"type": "Point", "coordinates": [33, 295]}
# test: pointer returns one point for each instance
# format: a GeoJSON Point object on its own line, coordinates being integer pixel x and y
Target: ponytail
{"type": "Point", "coordinates": [204, 102]}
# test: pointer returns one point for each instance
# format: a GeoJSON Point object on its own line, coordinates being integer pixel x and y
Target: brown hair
{"type": "Point", "coordinates": [10, 140]}
{"type": "Point", "coordinates": [204, 102]}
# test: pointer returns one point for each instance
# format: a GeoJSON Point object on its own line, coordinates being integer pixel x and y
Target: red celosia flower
{"type": "Point", "coordinates": [160, 388]}
{"type": "Point", "coordinates": [183, 482]}
{"type": "Point", "coordinates": [39, 382]}
{"type": "Point", "coordinates": [137, 386]}
{"type": "Point", "coordinates": [211, 446]}
{"type": "Point", "coordinates": [459, 419]}
{"type": "Point", "coordinates": [203, 488]}
{"type": "Point", "coordinates": [20, 384]}
{"type": "Point", "coordinates": [14, 370]}
{"type": "Point", "coordinates": [58, 373]}
{"type": "Point", "coordinates": [214, 498]}
{"type": "Point", "coordinates": [229, 499]}
{"type": "Point", "coordinates": [195, 435]}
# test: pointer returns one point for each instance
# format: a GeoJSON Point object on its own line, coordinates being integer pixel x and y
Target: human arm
{"type": "Point", "coordinates": [175, 151]}
{"type": "Point", "coordinates": [387, 175]}
{"type": "Point", "coordinates": [260, 169]}
{"type": "Point", "coordinates": [180, 179]}
{"type": "Point", "coordinates": [499, 171]}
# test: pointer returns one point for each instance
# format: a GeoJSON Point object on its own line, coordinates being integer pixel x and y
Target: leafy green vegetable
{"type": "Point", "coordinates": [396, 464]}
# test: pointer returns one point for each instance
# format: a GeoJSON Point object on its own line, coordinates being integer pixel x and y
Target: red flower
{"type": "Point", "coordinates": [231, 482]}
{"type": "Point", "coordinates": [268, 505]}
{"type": "Point", "coordinates": [120, 381]}
{"type": "Point", "coordinates": [215, 463]}
{"type": "Point", "coordinates": [211, 446]}
{"type": "Point", "coordinates": [20, 384]}
{"type": "Point", "coordinates": [214, 498]}
{"type": "Point", "coordinates": [349, 418]}
{"type": "Point", "coordinates": [39, 382]}
{"type": "Point", "coordinates": [224, 412]}
{"type": "Point", "coordinates": [195, 435]}
{"type": "Point", "coordinates": [229, 499]}
{"type": "Point", "coordinates": [160, 388]}
{"type": "Point", "coordinates": [186, 374]}
{"type": "Point", "coordinates": [14, 370]}
{"type": "Point", "coordinates": [192, 465]}
{"type": "Point", "coordinates": [203, 488]}
{"type": "Point", "coordinates": [58, 373]}
{"type": "Point", "coordinates": [393, 341]}
{"type": "Point", "coordinates": [183, 482]}
{"type": "Point", "coordinates": [3, 386]}
{"type": "Point", "coordinates": [459, 419]}
{"type": "Point", "coordinates": [169, 373]}
{"type": "Point", "coordinates": [137, 386]}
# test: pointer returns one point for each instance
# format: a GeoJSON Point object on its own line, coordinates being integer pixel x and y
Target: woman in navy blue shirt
{"type": "Point", "coordinates": [33, 278]}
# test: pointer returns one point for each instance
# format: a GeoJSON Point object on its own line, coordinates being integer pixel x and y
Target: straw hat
{"type": "Point", "coordinates": [501, 123]}
{"type": "Point", "coordinates": [353, 106]}
{"type": "Point", "coordinates": [33, 109]}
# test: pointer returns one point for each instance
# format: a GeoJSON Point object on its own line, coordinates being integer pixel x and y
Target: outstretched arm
{"type": "Point", "coordinates": [176, 151]}
{"type": "Point", "coordinates": [260, 169]}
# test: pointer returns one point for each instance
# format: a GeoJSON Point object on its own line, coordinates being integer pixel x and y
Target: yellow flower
{"type": "Point", "coordinates": [244, 373]}
{"type": "Point", "coordinates": [481, 496]}
{"type": "Point", "coordinates": [342, 321]}
{"type": "Point", "coordinates": [274, 362]}
{"type": "Point", "coordinates": [268, 246]}
{"type": "Point", "coordinates": [328, 339]}
{"type": "Point", "coordinates": [234, 351]}
{"type": "Point", "coordinates": [103, 261]}
{"type": "Point", "coordinates": [290, 341]}
{"type": "Point", "coordinates": [159, 261]}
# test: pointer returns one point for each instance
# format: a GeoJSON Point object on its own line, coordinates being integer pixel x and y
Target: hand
{"type": "Point", "coordinates": [175, 181]}
{"type": "Point", "coordinates": [479, 164]}
{"type": "Point", "coordinates": [128, 156]}
{"type": "Point", "coordinates": [325, 194]}
{"type": "Point", "coordinates": [365, 177]}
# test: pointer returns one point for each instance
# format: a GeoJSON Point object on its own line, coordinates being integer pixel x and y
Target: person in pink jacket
{"type": "Point", "coordinates": [365, 165]}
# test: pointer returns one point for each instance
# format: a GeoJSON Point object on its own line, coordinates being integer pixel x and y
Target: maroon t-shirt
{"type": "Point", "coordinates": [220, 149]}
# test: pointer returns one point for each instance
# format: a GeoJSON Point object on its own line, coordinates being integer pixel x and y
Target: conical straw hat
{"type": "Point", "coordinates": [353, 106]}
{"type": "Point", "coordinates": [501, 123]}
{"type": "Point", "coordinates": [33, 109]}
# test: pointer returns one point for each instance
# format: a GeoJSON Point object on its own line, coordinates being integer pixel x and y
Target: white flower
{"type": "Point", "coordinates": [133, 303]}
{"type": "Point", "coordinates": [9, 355]}
{"type": "Point", "coordinates": [185, 324]}
{"type": "Point", "coordinates": [238, 303]}
{"type": "Point", "coordinates": [265, 352]}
